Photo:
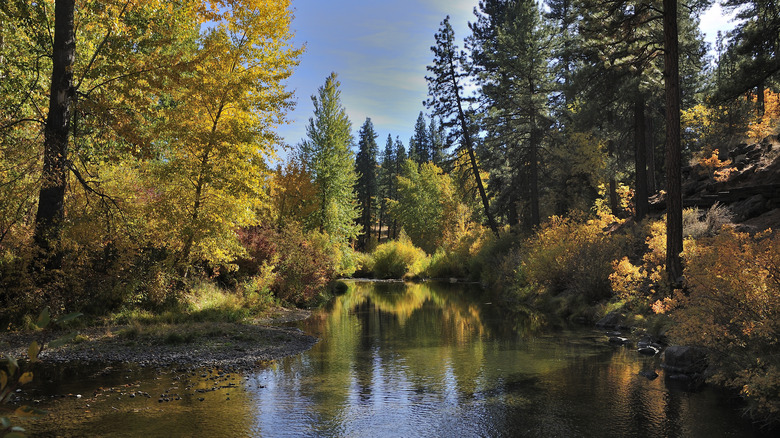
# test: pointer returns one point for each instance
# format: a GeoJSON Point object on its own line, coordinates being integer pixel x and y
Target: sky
{"type": "Point", "coordinates": [380, 50]}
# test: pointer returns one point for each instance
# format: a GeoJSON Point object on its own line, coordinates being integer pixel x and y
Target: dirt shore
{"type": "Point", "coordinates": [188, 345]}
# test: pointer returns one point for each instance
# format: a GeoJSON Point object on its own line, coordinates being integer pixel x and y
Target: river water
{"type": "Point", "coordinates": [401, 360]}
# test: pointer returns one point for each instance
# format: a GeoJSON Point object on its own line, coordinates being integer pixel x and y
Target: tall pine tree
{"type": "Point", "coordinates": [367, 184]}
{"type": "Point", "coordinates": [445, 90]}
{"type": "Point", "coordinates": [419, 144]}
{"type": "Point", "coordinates": [512, 52]}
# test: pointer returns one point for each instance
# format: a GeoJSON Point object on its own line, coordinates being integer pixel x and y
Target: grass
{"type": "Point", "coordinates": [206, 302]}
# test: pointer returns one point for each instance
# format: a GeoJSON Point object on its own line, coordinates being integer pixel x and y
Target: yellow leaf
{"type": "Point", "coordinates": [33, 350]}
{"type": "Point", "coordinates": [26, 378]}
{"type": "Point", "coordinates": [3, 379]}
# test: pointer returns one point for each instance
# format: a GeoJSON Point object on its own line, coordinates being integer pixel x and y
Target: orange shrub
{"type": "Point", "coordinates": [733, 310]}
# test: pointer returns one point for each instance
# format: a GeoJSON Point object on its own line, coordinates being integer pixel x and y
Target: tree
{"type": "Point", "coordinates": [512, 52]}
{"type": "Point", "coordinates": [51, 200]}
{"type": "Point", "coordinates": [219, 129]}
{"type": "Point", "coordinates": [400, 158]}
{"type": "Point", "coordinates": [674, 229]}
{"type": "Point", "coordinates": [327, 156]}
{"type": "Point", "coordinates": [420, 143]}
{"type": "Point", "coordinates": [753, 49]}
{"type": "Point", "coordinates": [386, 182]}
{"type": "Point", "coordinates": [437, 140]}
{"type": "Point", "coordinates": [445, 99]}
{"type": "Point", "coordinates": [367, 185]}
{"type": "Point", "coordinates": [426, 207]}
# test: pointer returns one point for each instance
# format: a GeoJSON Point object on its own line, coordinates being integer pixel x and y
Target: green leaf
{"type": "Point", "coordinates": [44, 318]}
{"type": "Point", "coordinates": [62, 341]}
{"type": "Point", "coordinates": [5, 422]}
{"type": "Point", "coordinates": [68, 317]}
{"type": "Point", "coordinates": [15, 435]}
{"type": "Point", "coordinates": [33, 350]}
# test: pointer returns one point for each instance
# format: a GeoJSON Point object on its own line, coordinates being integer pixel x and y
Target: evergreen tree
{"type": "Point", "coordinates": [367, 184]}
{"type": "Point", "coordinates": [449, 71]}
{"type": "Point", "coordinates": [386, 182]}
{"type": "Point", "coordinates": [327, 156]}
{"type": "Point", "coordinates": [419, 144]}
{"type": "Point", "coordinates": [400, 158]}
{"type": "Point", "coordinates": [753, 50]}
{"type": "Point", "coordinates": [512, 52]}
{"type": "Point", "coordinates": [437, 142]}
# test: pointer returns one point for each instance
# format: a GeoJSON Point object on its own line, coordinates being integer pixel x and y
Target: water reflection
{"type": "Point", "coordinates": [413, 360]}
{"type": "Point", "coordinates": [433, 360]}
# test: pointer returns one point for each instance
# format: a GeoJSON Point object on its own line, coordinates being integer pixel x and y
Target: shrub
{"type": "Point", "coordinates": [572, 255]}
{"type": "Point", "coordinates": [733, 310]}
{"type": "Point", "coordinates": [296, 266]}
{"type": "Point", "coordinates": [398, 259]}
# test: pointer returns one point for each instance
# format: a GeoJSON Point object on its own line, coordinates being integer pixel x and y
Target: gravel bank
{"type": "Point", "coordinates": [190, 345]}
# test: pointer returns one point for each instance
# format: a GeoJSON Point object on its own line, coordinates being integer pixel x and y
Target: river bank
{"type": "Point", "coordinates": [186, 345]}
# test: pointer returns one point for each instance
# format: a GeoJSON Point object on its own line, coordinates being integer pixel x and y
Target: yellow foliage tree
{"type": "Point", "coordinates": [220, 123]}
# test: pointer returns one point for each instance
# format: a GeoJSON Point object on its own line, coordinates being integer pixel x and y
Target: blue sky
{"type": "Point", "coordinates": [380, 50]}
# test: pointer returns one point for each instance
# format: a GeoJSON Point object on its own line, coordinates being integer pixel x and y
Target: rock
{"type": "Point", "coordinates": [619, 340]}
{"type": "Point", "coordinates": [649, 350]}
{"type": "Point", "coordinates": [612, 320]}
{"type": "Point", "coordinates": [684, 360]}
{"type": "Point", "coordinates": [648, 346]}
{"type": "Point", "coordinates": [752, 207]}
{"type": "Point", "coordinates": [650, 374]}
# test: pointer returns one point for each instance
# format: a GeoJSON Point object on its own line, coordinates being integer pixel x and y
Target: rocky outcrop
{"type": "Point", "coordinates": [752, 188]}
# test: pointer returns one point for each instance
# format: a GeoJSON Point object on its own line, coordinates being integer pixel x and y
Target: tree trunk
{"type": "Point", "coordinates": [652, 187]}
{"type": "Point", "coordinates": [533, 177]}
{"type": "Point", "coordinates": [472, 157]}
{"type": "Point", "coordinates": [674, 238]}
{"type": "Point", "coordinates": [51, 199]}
{"type": "Point", "coordinates": [640, 160]}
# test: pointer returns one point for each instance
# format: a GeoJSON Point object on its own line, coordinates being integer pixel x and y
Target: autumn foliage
{"type": "Point", "coordinates": [733, 310]}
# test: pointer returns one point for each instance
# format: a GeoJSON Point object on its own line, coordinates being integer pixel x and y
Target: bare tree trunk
{"type": "Point", "coordinates": [51, 199]}
{"type": "Point", "coordinates": [674, 238]}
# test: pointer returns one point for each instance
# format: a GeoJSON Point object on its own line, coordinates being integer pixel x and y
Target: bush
{"type": "Point", "coordinates": [398, 259]}
{"type": "Point", "coordinates": [572, 255]}
{"type": "Point", "coordinates": [294, 265]}
{"type": "Point", "coordinates": [733, 310]}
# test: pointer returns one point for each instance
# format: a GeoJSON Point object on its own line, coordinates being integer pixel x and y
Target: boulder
{"type": "Point", "coordinates": [649, 374]}
{"type": "Point", "coordinates": [619, 340]}
{"type": "Point", "coordinates": [612, 320]}
{"type": "Point", "coordinates": [684, 360]}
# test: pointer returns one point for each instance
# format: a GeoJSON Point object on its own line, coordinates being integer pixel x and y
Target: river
{"type": "Point", "coordinates": [401, 360]}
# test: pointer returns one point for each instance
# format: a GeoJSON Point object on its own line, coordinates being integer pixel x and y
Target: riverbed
{"type": "Point", "coordinates": [398, 359]}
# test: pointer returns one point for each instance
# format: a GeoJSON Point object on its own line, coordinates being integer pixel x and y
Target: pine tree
{"type": "Point", "coordinates": [367, 185]}
{"type": "Point", "coordinates": [753, 49]}
{"type": "Point", "coordinates": [512, 52]}
{"type": "Point", "coordinates": [398, 163]}
{"type": "Point", "coordinates": [437, 141]}
{"type": "Point", "coordinates": [386, 183]}
{"type": "Point", "coordinates": [327, 155]}
{"type": "Point", "coordinates": [419, 144]}
{"type": "Point", "coordinates": [449, 71]}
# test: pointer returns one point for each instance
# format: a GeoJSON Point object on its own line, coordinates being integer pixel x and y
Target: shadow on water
{"type": "Point", "coordinates": [401, 359]}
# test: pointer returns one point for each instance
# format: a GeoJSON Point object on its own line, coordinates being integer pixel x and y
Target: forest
{"type": "Point", "coordinates": [575, 157]}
